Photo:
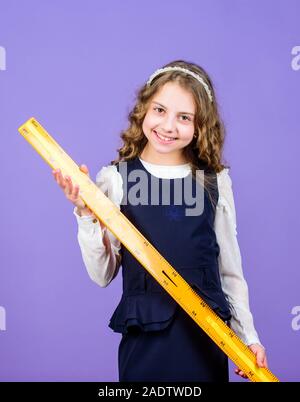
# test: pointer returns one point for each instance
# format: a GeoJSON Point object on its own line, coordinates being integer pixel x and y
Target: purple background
{"type": "Point", "coordinates": [75, 66]}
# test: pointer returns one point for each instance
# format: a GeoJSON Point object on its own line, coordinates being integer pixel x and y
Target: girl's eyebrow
{"type": "Point", "coordinates": [192, 114]}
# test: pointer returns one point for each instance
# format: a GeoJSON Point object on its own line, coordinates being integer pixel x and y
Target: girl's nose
{"type": "Point", "coordinates": [168, 124]}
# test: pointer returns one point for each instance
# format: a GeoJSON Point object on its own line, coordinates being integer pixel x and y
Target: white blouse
{"type": "Point", "coordinates": [100, 248]}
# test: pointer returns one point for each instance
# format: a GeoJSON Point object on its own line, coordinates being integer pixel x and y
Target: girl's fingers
{"type": "Point", "coordinates": [69, 186]}
{"type": "Point", "coordinates": [66, 184]}
{"type": "Point", "coordinates": [76, 191]}
{"type": "Point", "coordinates": [240, 373]}
{"type": "Point", "coordinates": [260, 357]}
{"type": "Point", "coordinates": [84, 169]}
{"type": "Point", "coordinates": [265, 362]}
{"type": "Point", "coordinates": [57, 178]}
{"type": "Point", "coordinates": [61, 180]}
{"type": "Point", "coordinates": [72, 190]}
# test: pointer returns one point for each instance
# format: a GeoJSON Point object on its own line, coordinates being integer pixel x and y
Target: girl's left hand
{"type": "Point", "coordinates": [261, 358]}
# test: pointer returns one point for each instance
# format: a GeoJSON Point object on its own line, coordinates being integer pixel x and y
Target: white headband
{"type": "Point", "coordinates": [184, 70]}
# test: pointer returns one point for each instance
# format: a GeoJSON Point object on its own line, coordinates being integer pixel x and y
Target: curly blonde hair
{"type": "Point", "coordinates": [206, 147]}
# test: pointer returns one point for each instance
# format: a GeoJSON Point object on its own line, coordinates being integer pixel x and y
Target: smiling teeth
{"type": "Point", "coordinates": [165, 138]}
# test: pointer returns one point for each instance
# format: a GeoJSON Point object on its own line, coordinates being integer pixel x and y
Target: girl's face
{"type": "Point", "coordinates": [169, 125]}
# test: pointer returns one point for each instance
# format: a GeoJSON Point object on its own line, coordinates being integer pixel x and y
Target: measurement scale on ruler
{"type": "Point", "coordinates": [173, 283]}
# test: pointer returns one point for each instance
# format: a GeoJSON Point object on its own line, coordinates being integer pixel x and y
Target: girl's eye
{"type": "Point", "coordinates": [159, 109]}
{"type": "Point", "coordinates": [187, 117]}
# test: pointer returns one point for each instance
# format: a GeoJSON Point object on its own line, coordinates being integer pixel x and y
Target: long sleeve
{"type": "Point", "coordinates": [233, 282]}
{"type": "Point", "coordinates": [99, 247]}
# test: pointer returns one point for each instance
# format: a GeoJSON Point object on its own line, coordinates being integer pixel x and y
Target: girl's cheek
{"type": "Point", "coordinates": [154, 117]}
{"type": "Point", "coordinates": [150, 120]}
{"type": "Point", "coordinates": [187, 132]}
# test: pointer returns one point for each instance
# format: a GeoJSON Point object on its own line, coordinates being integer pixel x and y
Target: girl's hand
{"type": "Point", "coordinates": [72, 192]}
{"type": "Point", "coordinates": [261, 358]}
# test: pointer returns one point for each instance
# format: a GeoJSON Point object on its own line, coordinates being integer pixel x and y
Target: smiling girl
{"type": "Point", "coordinates": [174, 131]}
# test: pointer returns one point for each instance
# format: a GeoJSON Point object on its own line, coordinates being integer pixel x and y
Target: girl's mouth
{"type": "Point", "coordinates": [164, 140]}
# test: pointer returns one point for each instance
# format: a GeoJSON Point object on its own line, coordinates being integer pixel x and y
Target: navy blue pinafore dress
{"type": "Point", "coordinates": [160, 341]}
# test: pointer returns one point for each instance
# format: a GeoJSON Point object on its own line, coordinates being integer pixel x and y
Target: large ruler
{"type": "Point", "coordinates": [173, 283]}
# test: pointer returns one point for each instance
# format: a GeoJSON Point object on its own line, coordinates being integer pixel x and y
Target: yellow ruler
{"type": "Point", "coordinates": [108, 213]}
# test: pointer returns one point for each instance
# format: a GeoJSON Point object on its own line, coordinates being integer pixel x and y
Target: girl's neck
{"type": "Point", "coordinates": [163, 159]}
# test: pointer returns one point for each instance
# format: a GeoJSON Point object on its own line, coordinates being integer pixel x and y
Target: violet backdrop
{"type": "Point", "coordinates": [76, 66]}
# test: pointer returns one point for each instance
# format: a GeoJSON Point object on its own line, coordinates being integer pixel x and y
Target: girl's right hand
{"type": "Point", "coordinates": [72, 192]}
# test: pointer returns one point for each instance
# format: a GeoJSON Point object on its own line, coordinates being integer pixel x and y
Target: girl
{"type": "Point", "coordinates": [174, 131]}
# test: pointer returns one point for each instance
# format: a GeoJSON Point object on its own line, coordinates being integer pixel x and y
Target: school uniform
{"type": "Point", "coordinates": [160, 341]}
